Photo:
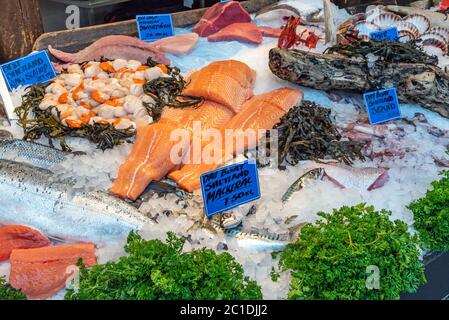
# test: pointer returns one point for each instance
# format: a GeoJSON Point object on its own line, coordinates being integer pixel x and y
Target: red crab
{"type": "Point", "coordinates": [290, 36]}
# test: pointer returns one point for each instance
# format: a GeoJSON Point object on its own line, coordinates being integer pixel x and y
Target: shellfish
{"type": "Point", "coordinates": [444, 32]}
{"type": "Point", "coordinates": [420, 21]}
{"type": "Point", "coordinates": [407, 26]}
{"type": "Point", "coordinates": [386, 20]}
{"type": "Point", "coordinates": [364, 29]}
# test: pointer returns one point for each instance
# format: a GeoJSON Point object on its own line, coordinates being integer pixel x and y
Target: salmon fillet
{"type": "Point", "coordinates": [160, 147]}
{"type": "Point", "coordinates": [19, 237]}
{"type": "Point", "coordinates": [228, 83]}
{"type": "Point", "coordinates": [178, 45]}
{"type": "Point", "coordinates": [40, 273]}
{"type": "Point", "coordinates": [260, 112]}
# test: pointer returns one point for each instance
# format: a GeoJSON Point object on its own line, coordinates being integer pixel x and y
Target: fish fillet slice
{"type": "Point", "coordinates": [40, 273]}
{"type": "Point", "coordinates": [19, 237]}
{"type": "Point", "coordinates": [159, 149]}
{"type": "Point", "coordinates": [261, 112]}
{"type": "Point", "coordinates": [226, 83]}
{"type": "Point", "coordinates": [179, 45]}
{"type": "Point", "coordinates": [244, 32]}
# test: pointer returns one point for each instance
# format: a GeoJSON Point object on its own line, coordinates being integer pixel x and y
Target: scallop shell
{"type": "Point", "coordinates": [444, 32]}
{"type": "Point", "coordinates": [435, 43]}
{"type": "Point", "coordinates": [364, 29]}
{"type": "Point", "coordinates": [430, 36]}
{"type": "Point", "coordinates": [407, 26]}
{"type": "Point", "coordinates": [420, 21]}
{"type": "Point", "coordinates": [405, 36]}
{"type": "Point", "coordinates": [386, 19]}
{"type": "Point", "coordinates": [373, 13]}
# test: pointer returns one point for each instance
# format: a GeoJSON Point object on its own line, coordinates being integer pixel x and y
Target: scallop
{"type": "Point", "coordinates": [92, 71]}
{"type": "Point", "coordinates": [133, 64]}
{"type": "Point", "coordinates": [371, 14]}
{"type": "Point", "coordinates": [444, 32]}
{"type": "Point", "coordinates": [94, 120]}
{"type": "Point", "coordinates": [125, 124]}
{"type": "Point", "coordinates": [105, 111]}
{"type": "Point", "coordinates": [386, 20]}
{"type": "Point", "coordinates": [73, 79]}
{"type": "Point", "coordinates": [434, 46]}
{"type": "Point", "coordinates": [75, 68]}
{"type": "Point", "coordinates": [119, 112]}
{"type": "Point", "coordinates": [140, 112]}
{"type": "Point", "coordinates": [103, 75]}
{"type": "Point", "coordinates": [132, 103]}
{"type": "Point", "coordinates": [48, 102]}
{"type": "Point", "coordinates": [407, 26]}
{"type": "Point", "coordinates": [365, 28]}
{"type": "Point", "coordinates": [153, 73]}
{"type": "Point", "coordinates": [58, 90]}
{"type": "Point", "coordinates": [119, 64]}
{"type": "Point", "coordinates": [118, 93]}
{"type": "Point", "coordinates": [81, 111]}
{"type": "Point", "coordinates": [430, 36]}
{"type": "Point", "coordinates": [136, 89]}
{"type": "Point", "coordinates": [420, 21]}
{"type": "Point", "coordinates": [405, 36]}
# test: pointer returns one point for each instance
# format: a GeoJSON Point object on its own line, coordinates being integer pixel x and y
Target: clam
{"type": "Point", "coordinates": [407, 26]}
{"type": "Point", "coordinates": [386, 20]}
{"type": "Point", "coordinates": [420, 21]}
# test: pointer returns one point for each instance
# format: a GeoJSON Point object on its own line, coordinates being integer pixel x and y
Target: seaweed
{"type": "Point", "coordinates": [37, 123]}
{"type": "Point", "coordinates": [306, 132]}
{"type": "Point", "coordinates": [165, 91]}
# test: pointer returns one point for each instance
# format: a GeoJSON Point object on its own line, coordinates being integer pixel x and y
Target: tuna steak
{"type": "Point", "coordinates": [219, 16]}
{"type": "Point", "coordinates": [244, 32]}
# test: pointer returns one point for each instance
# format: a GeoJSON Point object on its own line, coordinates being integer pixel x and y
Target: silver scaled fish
{"type": "Point", "coordinates": [29, 152]}
{"type": "Point", "coordinates": [314, 174]}
{"type": "Point", "coordinates": [29, 196]}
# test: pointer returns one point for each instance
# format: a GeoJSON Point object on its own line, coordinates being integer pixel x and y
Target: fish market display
{"type": "Point", "coordinates": [278, 13]}
{"type": "Point", "coordinates": [19, 237]}
{"type": "Point", "coordinates": [314, 174]}
{"type": "Point", "coordinates": [219, 16]}
{"type": "Point", "coordinates": [36, 154]}
{"type": "Point", "coordinates": [260, 112]}
{"type": "Point", "coordinates": [294, 34]}
{"type": "Point", "coordinates": [114, 47]}
{"type": "Point", "coordinates": [178, 45]}
{"type": "Point", "coordinates": [244, 32]}
{"type": "Point", "coordinates": [40, 273]}
{"type": "Point", "coordinates": [57, 210]}
{"type": "Point", "coordinates": [225, 90]}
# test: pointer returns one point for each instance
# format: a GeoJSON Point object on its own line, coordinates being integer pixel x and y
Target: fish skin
{"type": "Point", "coordinates": [253, 240]}
{"type": "Point", "coordinates": [36, 154]}
{"type": "Point", "coordinates": [277, 12]}
{"type": "Point", "coordinates": [28, 196]}
{"type": "Point", "coordinates": [367, 178]}
{"type": "Point", "coordinates": [314, 174]}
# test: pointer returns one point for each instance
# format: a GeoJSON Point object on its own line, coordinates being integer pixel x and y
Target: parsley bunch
{"type": "Point", "coordinates": [9, 293]}
{"type": "Point", "coordinates": [335, 258]}
{"type": "Point", "coordinates": [431, 215]}
{"type": "Point", "coordinates": [157, 270]}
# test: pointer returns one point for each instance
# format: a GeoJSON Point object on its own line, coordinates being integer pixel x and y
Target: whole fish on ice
{"type": "Point", "coordinates": [314, 174]}
{"type": "Point", "coordinates": [277, 14]}
{"type": "Point", "coordinates": [29, 196]}
{"type": "Point", "coordinates": [356, 178]}
{"type": "Point", "coordinates": [29, 152]}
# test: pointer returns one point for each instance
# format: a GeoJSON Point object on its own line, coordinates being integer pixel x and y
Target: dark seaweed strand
{"type": "Point", "coordinates": [36, 123]}
{"type": "Point", "coordinates": [306, 132]}
{"type": "Point", "coordinates": [386, 52]}
{"type": "Point", "coordinates": [167, 92]}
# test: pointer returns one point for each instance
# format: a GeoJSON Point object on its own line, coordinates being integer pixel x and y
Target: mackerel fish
{"type": "Point", "coordinates": [314, 174]}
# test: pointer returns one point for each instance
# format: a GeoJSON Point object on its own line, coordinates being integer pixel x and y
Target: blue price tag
{"type": "Point", "coordinates": [155, 26]}
{"type": "Point", "coordinates": [230, 187]}
{"type": "Point", "coordinates": [222, 1]}
{"type": "Point", "coordinates": [382, 105]}
{"type": "Point", "coordinates": [32, 69]}
{"type": "Point", "coordinates": [390, 34]}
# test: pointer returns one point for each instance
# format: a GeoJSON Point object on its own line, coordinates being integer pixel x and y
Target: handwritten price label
{"type": "Point", "coordinates": [382, 105]}
{"type": "Point", "coordinates": [230, 187]}
{"type": "Point", "coordinates": [155, 26]}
